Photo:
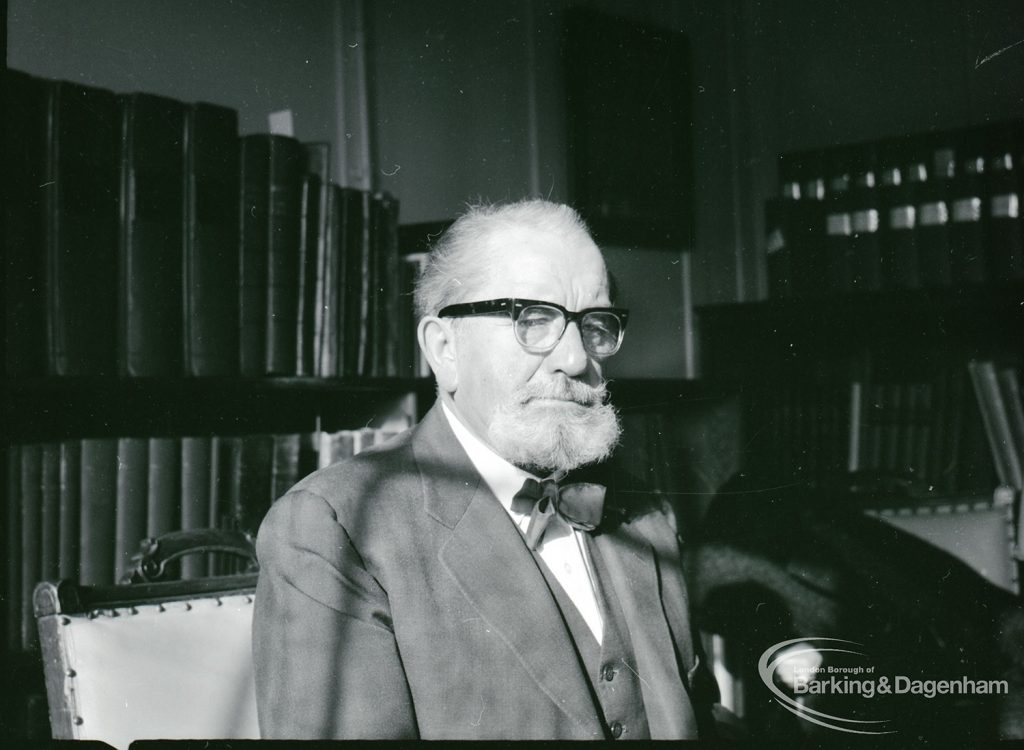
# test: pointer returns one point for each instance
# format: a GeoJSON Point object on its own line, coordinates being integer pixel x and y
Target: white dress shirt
{"type": "Point", "coordinates": [562, 548]}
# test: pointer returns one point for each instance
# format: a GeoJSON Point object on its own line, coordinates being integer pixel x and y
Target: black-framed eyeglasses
{"type": "Point", "coordinates": [539, 325]}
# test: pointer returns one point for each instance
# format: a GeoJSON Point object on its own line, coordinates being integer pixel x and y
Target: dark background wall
{"type": "Point", "coordinates": [465, 99]}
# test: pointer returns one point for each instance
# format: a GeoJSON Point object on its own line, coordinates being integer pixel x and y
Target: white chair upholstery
{"type": "Point", "coordinates": [174, 668]}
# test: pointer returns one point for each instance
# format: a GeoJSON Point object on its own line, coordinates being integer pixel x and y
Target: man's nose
{"type": "Point", "coordinates": [569, 357]}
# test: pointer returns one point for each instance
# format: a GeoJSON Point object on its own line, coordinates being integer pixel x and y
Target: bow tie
{"type": "Point", "coordinates": [579, 504]}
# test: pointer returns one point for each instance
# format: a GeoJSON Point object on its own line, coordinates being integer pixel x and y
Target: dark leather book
{"type": "Point", "coordinates": [898, 182]}
{"type": "Point", "coordinates": [272, 174]}
{"type": "Point", "coordinates": [99, 503]}
{"type": "Point", "coordinates": [30, 496]}
{"type": "Point", "coordinates": [968, 255]}
{"type": "Point", "coordinates": [196, 453]}
{"type": "Point", "coordinates": [12, 540]}
{"type": "Point", "coordinates": [801, 177]}
{"type": "Point", "coordinates": [130, 513]}
{"type": "Point", "coordinates": [357, 256]}
{"type": "Point", "coordinates": [1004, 185]}
{"type": "Point", "coordinates": [152, 219]}
{"type": "Point", "coordinates": [210, 239]}
{"type": "Point", "coordinates": [252, 488]}
{"type": "Point", "coordinates": [933, 237]}
{"type": "Point", "coordinates": [285, 469]}
{"type": "Point", "coordinates": [865, 246]}
{"type": "Point", "coordinates": [70, 507]}
{"type": "Point", "coordinates": [778, 250]}
{"type": "Point", "coordinates": [384, 286]}
{"type": "Point", "coordinates": [81, 198]}
{"type": "Point", "coordinates": [24, 159]}
{"type": "Point", "coordinates": [49, 567]}
{"type": "Point", "coordinates": [224, 457]}
{"type": "Point", "coordinates": [313, 234]}
{"type": "Point", "coordinates": [163, 488]}
{"type": "Point", "coordinates": [838, 239]}
{"type": "Point", "coordinates": [330, 287]}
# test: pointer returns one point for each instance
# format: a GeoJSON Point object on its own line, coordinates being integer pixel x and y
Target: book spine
{"type": "Point", "coordinates": [252, 489]}
{"type": "Point", "coordinates": [210, 235]}
{"type": "Point", "coordinates": [330, 287]}
{"type": "Point", "coordinates": [254, 250]}
{"type": "Point", "coordinates": [283, 263]}
{"type": "Point", "coordinates": [285, 471]}
{"type": "Point", "coordinates": [997, 423]}
{"type": "Point", "coordinates": [130, 512]}
{"type": "Point", "coordinates": [31, 537]}
{"type": "Point", "coordinates": [50, 517]}
{"type": "Point", "coordinates": [152, 221]}
{"type": "Point", "coordinates": [196, 454]}
{"type": "Point", "coordinates": [70, 508]}
{"type": "Point", "coordinates": [163, 492]}
{"type": "Point", "coordinates": [224, 460]}
{"type": "Point", "coordinates": [14, 559]}
{"type": "Point", "coordinates": [81, 207]}
{"type": "Point", "coordinates": [24, 158]}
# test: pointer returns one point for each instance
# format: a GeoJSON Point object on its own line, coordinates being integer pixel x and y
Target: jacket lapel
{"type": "Point", "coordinates": [631, 565]}
{"type": "Point", "coordinates": [490, 563]}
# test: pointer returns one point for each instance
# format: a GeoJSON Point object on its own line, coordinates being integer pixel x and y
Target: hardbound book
{"type": "Point", "coordinates": [358, 260]}
{"type": "Point", "coordinates": [163, 493]}
{"type": "Point", "coordinates": [866, 252]}
{"type": "Point", "coordinates": [12, 539]}
{"type": "Point", "coordinates": [330, 289]}
{"type": "Point", "coordinates": [314, 208]}
{"type": "Point", "coordinates": [152, 219]}
{"type": "Point", "coordinates": [252, 488]}
{"type": "Point", "coordinates": [269, 252]}
{"type": "Point", "coordinates": [1004, 177]}
{"type": "Point", "coordinates": [98, 507]}
{"type": "Point", "coordinates": [24, 158]}
{"type": "Point", "coordinates": [30, 496]}
{"type": "Point", "coordinates": [132, 503]}
{"type": "Point", "coordinates": [210, 236]}
{"type": "Point", "coordinates": [50, 515]}
{"type": "Point", "coordinates": [271, 217]}
{"type": "Point", "coordinates": [81, 204]}
{"type": "Point", "coordinates": [968, 256]}
{"type": "Point", "coordinates": [285, 470]}
{"type": "Point", "coordinates": [933, 241]}
{"type": "Point", "coordinates": [224, 458]}
{"type": "Point", "coordinates": [897, 216]}
{"type": "Point", "coordinates": [196, 453]}
{"type": "Point", "coordinates": [70, 507]}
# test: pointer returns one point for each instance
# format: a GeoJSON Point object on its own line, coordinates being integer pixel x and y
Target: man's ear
{"type": "Point", "coordinates": [437, 342]}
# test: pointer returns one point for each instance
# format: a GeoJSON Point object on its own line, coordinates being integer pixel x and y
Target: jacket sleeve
{"type": "Point", "coordinates": [325, 657]}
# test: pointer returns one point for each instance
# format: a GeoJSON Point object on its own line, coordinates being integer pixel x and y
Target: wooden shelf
{"type": "Point", "coordinates": [52, 408]}
{"type": "Point", "coordinates": [897, 326]}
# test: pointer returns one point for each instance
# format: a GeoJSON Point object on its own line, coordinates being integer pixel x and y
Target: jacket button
{"type": "Point", "coordinates": [608, 672]}
{"type": "Point", "coordinates": [616, 728]}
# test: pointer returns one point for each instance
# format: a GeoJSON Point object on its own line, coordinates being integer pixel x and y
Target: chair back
{"type": "Point", "coordinates": [149, 660]}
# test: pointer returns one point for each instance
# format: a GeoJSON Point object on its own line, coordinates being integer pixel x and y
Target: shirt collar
{"type": "Point", "coordinates": [503, 478]}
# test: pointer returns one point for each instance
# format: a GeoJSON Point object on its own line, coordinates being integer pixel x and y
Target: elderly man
{"type": "Point", "coordinates": [451, 583]}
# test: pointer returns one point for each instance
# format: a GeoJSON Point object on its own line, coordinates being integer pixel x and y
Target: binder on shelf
{"type": "Point", "coordinates": [211, 256]}
{"type": "Point", "coordinates": [150, 250]}
{"type": "Point", "coordinates": [81, 214]}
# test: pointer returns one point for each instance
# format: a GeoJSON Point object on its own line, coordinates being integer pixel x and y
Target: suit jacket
{"type": "Point", "coordinates": [397, 599]}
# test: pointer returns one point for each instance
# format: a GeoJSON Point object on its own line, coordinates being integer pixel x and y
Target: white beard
{"type": "Point", "coordinates": [575, 429]}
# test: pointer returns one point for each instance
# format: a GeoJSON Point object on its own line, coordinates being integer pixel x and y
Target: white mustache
{"type": "Point", "coordinates": [563, 390]}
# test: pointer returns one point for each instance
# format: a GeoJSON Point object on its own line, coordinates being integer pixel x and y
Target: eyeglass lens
{"type": "Point", "coordinates": [540, 327]}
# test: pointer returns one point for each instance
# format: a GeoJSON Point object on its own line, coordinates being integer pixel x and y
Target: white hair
{"type": "Point", "coordinates": [458, 261]}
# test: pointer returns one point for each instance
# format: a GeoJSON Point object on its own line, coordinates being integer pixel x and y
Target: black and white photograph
{"type": "Point", "coordinates": [501, 370]}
